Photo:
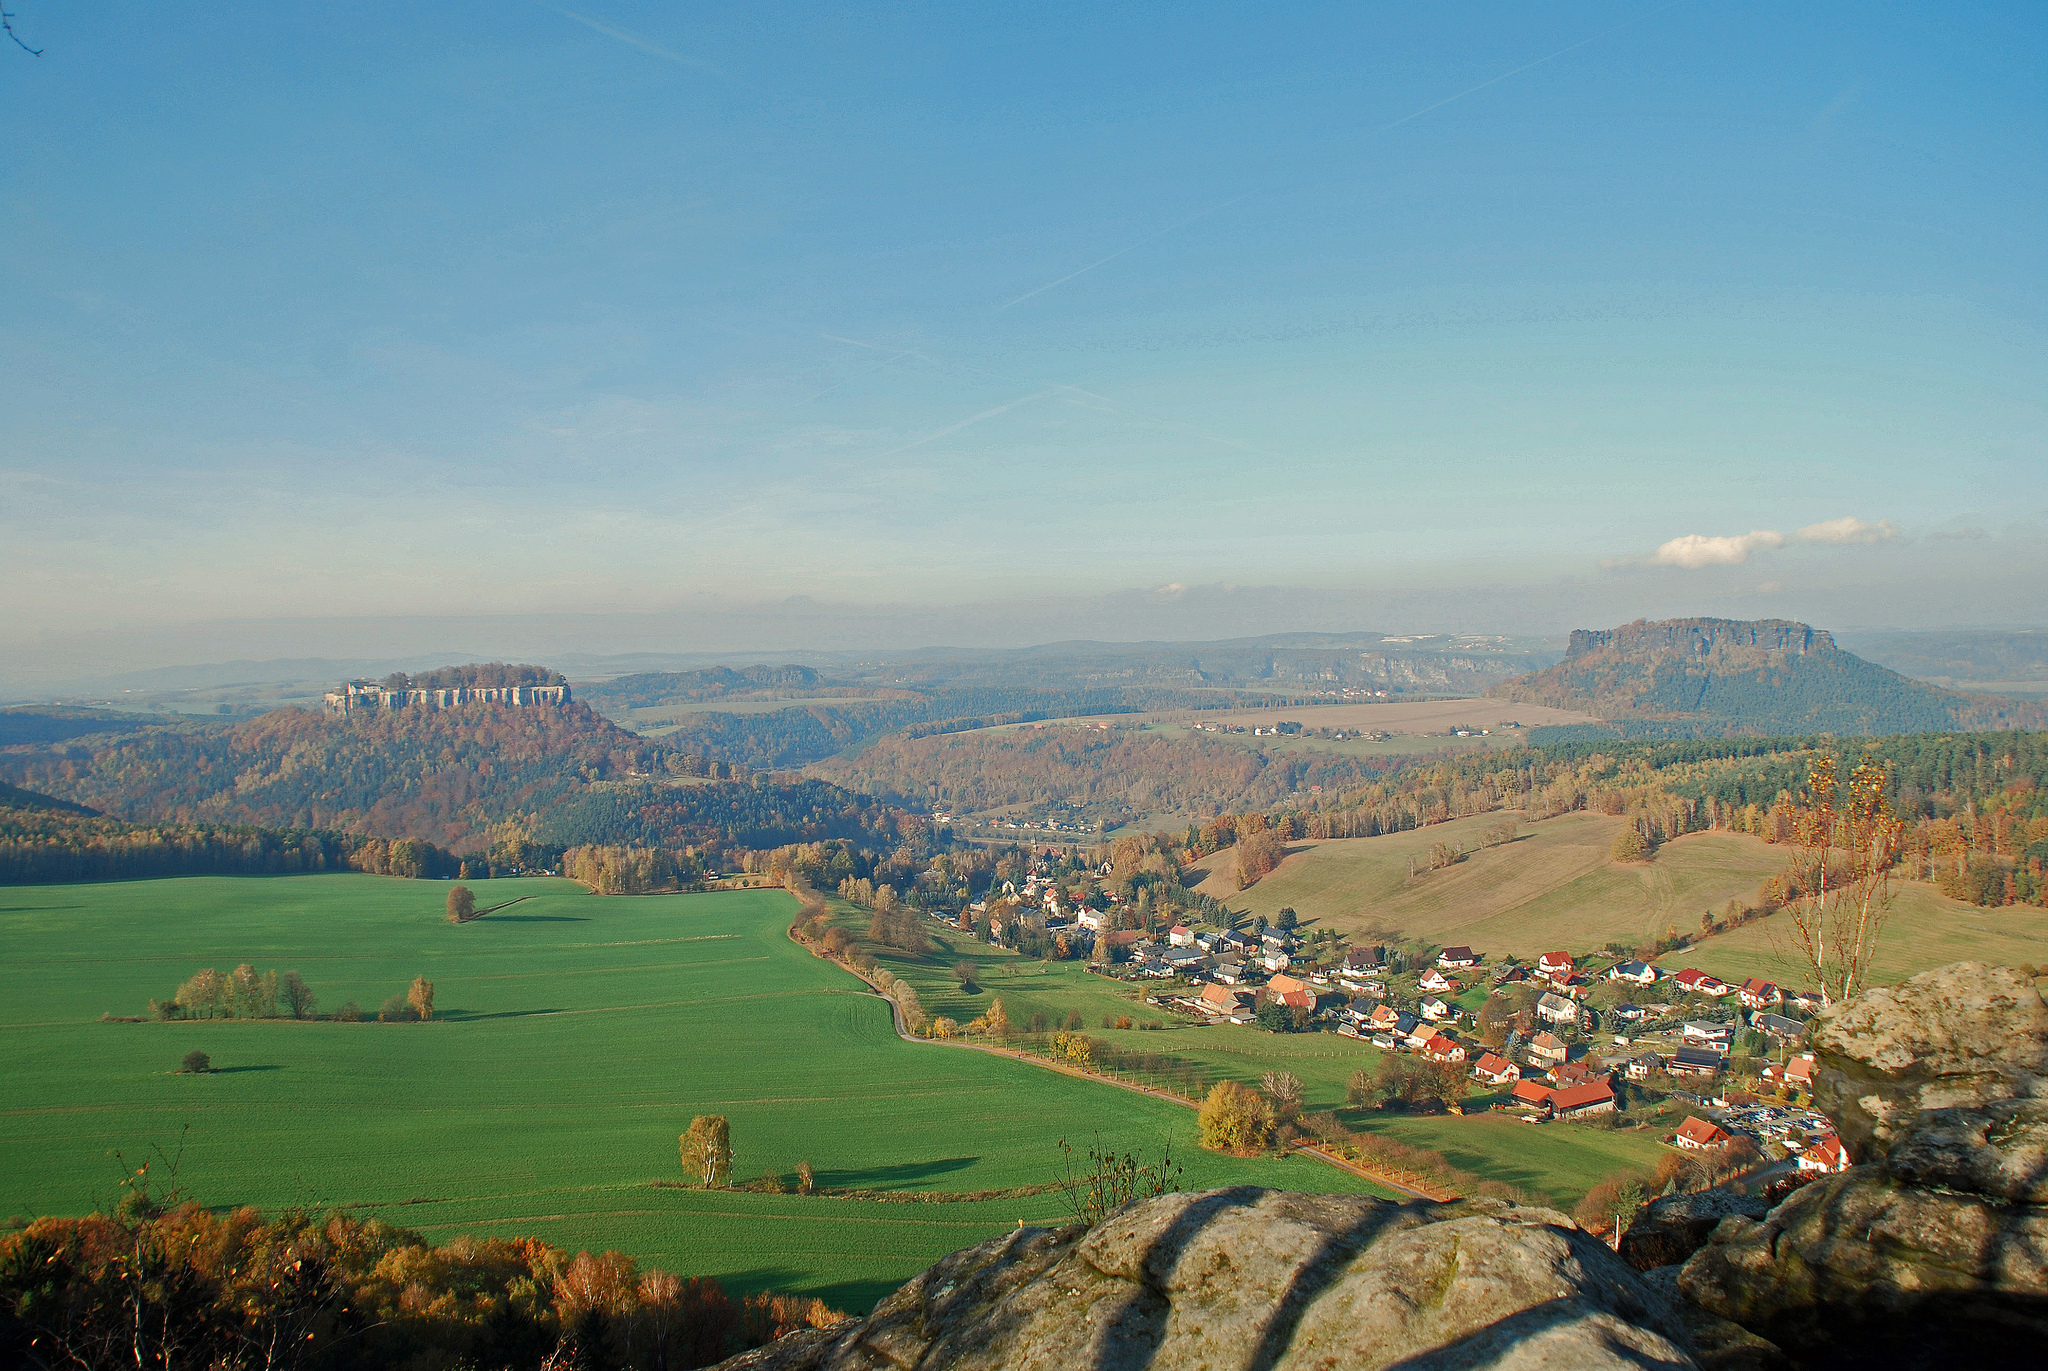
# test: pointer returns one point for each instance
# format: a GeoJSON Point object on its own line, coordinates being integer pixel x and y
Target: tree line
{"type": "Point", "coordinates": [180, 1288]}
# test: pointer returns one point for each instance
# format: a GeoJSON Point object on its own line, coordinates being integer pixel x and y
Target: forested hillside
{"type": "Point", "coordinates": [1107, 771]}
{"type": "Point", "coordinates": [1720, 677]}
{"type": "Point", "coordinates": [804, 733]}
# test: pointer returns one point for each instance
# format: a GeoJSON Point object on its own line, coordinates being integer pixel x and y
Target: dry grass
{"type": "Point", "coordinates": [1926, 930]}
{"type": "Point", "coordinates": [1554, 887]}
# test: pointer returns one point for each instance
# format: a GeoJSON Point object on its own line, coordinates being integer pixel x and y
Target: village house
{"type": "Point", "coordinates": [1365, 959]}
{"type": "Point", "coordinates": [1384, 1018]}
{"type": "Point", "coordinates": [1235, 1005]}
{"type": "Point", "coordinates": [1642, 973]}
{"type": "Point", "coordinates": [1510, 975]}
{"type": "Point", "coordinates": [1227, 970]}
{"type": "Point", "coordinates": [1452, 958]}
{"type": "Point", "coordinates": [1629, 1013]}
{"type": "Point", "coordinates": [1443, 1049]}
{"type": "Point", "coordinates": [1275, 960]}
{"type": "Point", "coordinates": [1420, 1034]}
{"type": "Point", "coordinates": [1293, 994]}
{"type": "Point", "coordinates": [1760, 994]}
{"type": "Point", "coordinates": [1180, 935]}
{"type": "Point", "coordinates": [1581, 1101]}
{"type": "Point", "coordinates": [1718, 1036]}
{"type": "Point", "coordinates": [1547, 1050]}
{"type": "Point", "coordinates": [1826, 1155]}
{"type": "Point", "coordinates": [1094, 920]}
{"type": "Point", "coordinates": [1795, 1074]}
{"type": "Point", "coordinates": [1641, 1067]}
{"type": "Point", "coordinates": [1557, 1009]}
{"type": "Point", "coordinates": [1497, 1070]}
{"type": "Point", "coordinates": [1433, 979]}
{"type": "Point", "coordinates": [1436, 1010]}
{"type": "Point", "coordinates": [1533, 1094]}
{"type": "Point", "coordinates": [1567, 1074]}
{"type": "Point", "coordinates": [1552, 965]}
{"type": "Point", "coordinates": [1777, 1025]}
{"type": "Point", "coordinates": [1696, 1134]}
{"type": "Point", "coordinates": [1694, 982]}
{"type": "Point", "coordinates": [1694, 1061]}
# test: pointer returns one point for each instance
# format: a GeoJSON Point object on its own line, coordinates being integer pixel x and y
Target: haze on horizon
{"type": "Point", "coordinates": [604, 324]}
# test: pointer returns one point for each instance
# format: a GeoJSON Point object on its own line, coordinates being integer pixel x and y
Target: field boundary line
{"type": "Point", "coordinates": [903, 1032]}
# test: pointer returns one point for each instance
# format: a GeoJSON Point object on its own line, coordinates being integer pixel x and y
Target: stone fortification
{"type": "Point", "coordinates": [1699, 638]}
{"type": "Point", "coordinates": [353, 699]}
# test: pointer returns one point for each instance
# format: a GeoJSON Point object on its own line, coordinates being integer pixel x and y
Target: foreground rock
{"type": "Point", "coordinates": [1261, 1278]}
{"type": "Point", "coordinates": [1674, 1227]}
{"type": "Point", "coordinates": [1958, 1037]}
{"type": "Point", "coordinates": [1937, 1247]}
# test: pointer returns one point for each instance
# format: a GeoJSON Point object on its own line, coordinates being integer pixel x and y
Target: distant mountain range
{"type": "Point", "coordinates": [1728, 677]}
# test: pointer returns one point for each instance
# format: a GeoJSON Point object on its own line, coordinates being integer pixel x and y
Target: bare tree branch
{"type": "Point", "coordinates": [7, 23]}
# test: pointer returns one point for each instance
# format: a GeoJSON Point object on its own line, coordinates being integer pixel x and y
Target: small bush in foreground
{"type": "Point", "coordinates": [195, 1064]}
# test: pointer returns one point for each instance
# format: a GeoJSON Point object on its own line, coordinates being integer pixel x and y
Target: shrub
{"type": "Point", "coordinates": [1073, 1023]}
{"type": "Point", "coordinates": [195, 1064]}
{"type": "Point", "coordinates": [396, 1010]}
{"type": "Point", "coordinates": [349, 1013]}
{"type": "Point", "coordinates": [806, 1179]}
{"type": "Point", "coordinates": [1234, 1119]}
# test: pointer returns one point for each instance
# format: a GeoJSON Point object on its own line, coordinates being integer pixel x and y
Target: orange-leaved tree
{"type": "Point", "coordinates": [1841, 870]}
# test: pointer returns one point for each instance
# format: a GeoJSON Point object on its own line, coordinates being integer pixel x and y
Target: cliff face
{"type": "Point", "coordinates": [1719, 677]}
{"type": "Point", "coordinates": [1700, 638]}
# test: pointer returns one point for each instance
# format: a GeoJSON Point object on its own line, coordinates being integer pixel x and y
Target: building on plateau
{"type": "Point", "coordinates": [354, 699]}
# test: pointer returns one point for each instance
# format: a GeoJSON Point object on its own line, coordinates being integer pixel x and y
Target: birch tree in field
{"type": "Point", "coordinates": [1842, 872]}
{"type": "Point", "coordinates": [707, 1151]}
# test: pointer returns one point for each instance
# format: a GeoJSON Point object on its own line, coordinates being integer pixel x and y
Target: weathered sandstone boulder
{"type": "Point", "coordinates": [1673, 1227]}
{"type": "Point", "coordinates": [1250, 1278]}
{"type": "Point", "coordinates": [1937, 1247]}
{"type": "Point", "coordinates": [1957, 1037]}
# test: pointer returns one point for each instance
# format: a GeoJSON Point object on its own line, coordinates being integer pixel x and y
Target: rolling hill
{"type": "Point", "coordinates": [459, 778]}
{"type": "Point", "coordinates": [1727, 677]}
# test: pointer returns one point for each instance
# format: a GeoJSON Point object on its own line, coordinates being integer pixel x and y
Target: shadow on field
{"type": "Point", "coordinates": [849, 1297]}
{"type": "Point", "coordinates": [535, 919]}
{"type": "Point", "coordinates": [883, 1177]}
{"type": "Point", "coordinates": [238, 1070]}
{"type": "Point", "coordinates": [471, 1016]}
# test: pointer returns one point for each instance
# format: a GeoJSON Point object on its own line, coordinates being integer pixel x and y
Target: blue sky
{"type": "Point", "coordinates": [515, 309]}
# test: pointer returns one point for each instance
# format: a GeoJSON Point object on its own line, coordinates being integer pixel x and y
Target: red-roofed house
{"type": "Point", "coordinates": [1180, 935]}
{"type": "Point", "coordinates": [1555, 964]}
{"type": "Point", "coordinates": [1760, 994]}
{"type": "Point", "coordinates": [1694, 982]}
{"type": "Point", "coordinates": [1532, 1093]}
{"type": "Point", "coordinates": [1443, 1049]}
{"type": "Point", "coordinates": [1695, 1134]}
{"type": "Point", "coordinates": [1827, 1155]}
{"type": "Point", "coordinates": [1434, 979]}
{"type": "Point", "coordinates": [1497, 1070]}
{"type": "Point", "coordinates": [1594, 1097]}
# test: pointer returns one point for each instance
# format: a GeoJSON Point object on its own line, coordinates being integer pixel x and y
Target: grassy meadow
{"type": "Point", "coordinates": [1926, 929]}
{"type": "Point", "coordinates": [1555, 886]}
{"type": "Point", "coordinates": [574, 1038]}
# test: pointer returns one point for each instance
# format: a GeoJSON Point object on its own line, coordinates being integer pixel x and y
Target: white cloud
{"type": "Point", "coordinates": [1696, 550]}
{"type": "Point", "coordinates": [1850, 529]}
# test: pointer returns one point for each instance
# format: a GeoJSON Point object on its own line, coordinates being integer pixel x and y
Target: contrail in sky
{"type": "Point", "coordinates": [971, 420]}
{"type": "Point", "coordinates": [646, 45]}
{"type": "Point", "coordinates": [1447, 100]}
{"type": "Point", "coordinates": [1122, 250]}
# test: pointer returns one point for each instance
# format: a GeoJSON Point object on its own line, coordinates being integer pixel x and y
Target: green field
{"type": "Point", "coordinates": [1553, 887]}
{"type": "Point", "coordinates": [575, 1037]}
{"type": "Point", "coordinates": [1557, 1161]}
{"type": "Point", "coordinates": [1926, 930]}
